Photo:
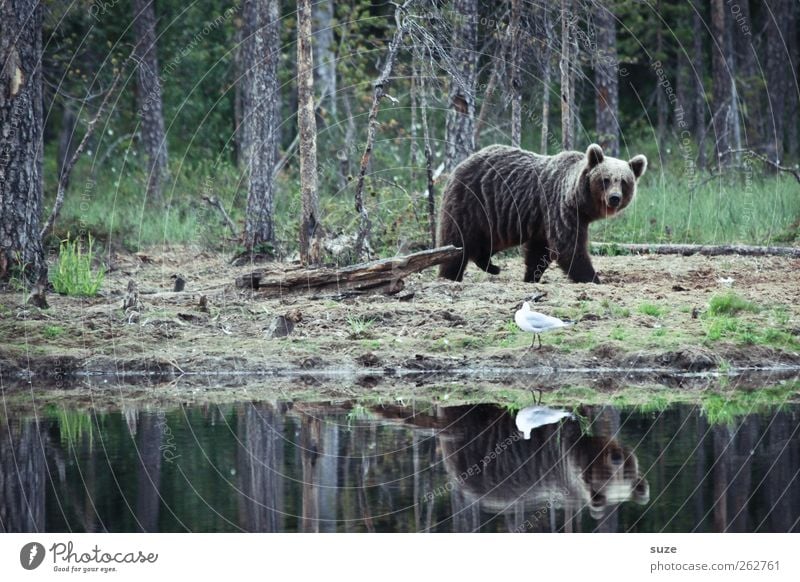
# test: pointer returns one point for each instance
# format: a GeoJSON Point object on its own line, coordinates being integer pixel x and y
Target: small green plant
{"type": "Point", "coordinates": [730, 304]}
{"type": "Point", "coordinates": [618, 334]}
{"type": "Point", "coordinates": [651, 309]}
{"type": "Point", "coordinates": [359, 326]}
{"type": "Point", "coordinates": [53, 331]}
{"type": "Point", "coordinates": [73, 273]}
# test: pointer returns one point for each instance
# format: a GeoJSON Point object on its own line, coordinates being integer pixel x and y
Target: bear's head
{"type": "Point", "coordinates": [609, 184]}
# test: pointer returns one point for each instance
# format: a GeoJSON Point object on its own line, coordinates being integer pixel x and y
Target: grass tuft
{"type": "Point", "coordinates": [73, 273]}
{"type": "Point", "coordinates": [730, 304]}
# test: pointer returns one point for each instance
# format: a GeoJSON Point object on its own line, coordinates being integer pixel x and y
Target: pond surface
{"type": "Point", "coordinates": [282, 467]}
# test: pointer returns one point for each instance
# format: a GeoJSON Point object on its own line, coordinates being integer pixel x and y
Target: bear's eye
{"type": "Point", "coordinates": [606, 183]}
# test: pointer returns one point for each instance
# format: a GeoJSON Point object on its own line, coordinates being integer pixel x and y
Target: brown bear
{"type": "Point", "coordinates": [502, 197]}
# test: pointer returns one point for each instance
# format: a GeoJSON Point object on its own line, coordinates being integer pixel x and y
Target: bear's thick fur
{"type": "Point", "coordinates": [502, 197]}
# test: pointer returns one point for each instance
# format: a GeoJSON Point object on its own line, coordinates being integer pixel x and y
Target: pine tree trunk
{"type": "Point", "coordinates": [605, 72]}
{"type": "Point", "coordinates": [662, 106]}
{"type": "Point", "coordinates": [260, 94]}
{"type": "Point", "coordinates": [238, 97]}
{"type": "Point", "coordinates": [793, 99]}
{"type": "Point", "coordinates": [148, 93]}
{"type": "Point", "coordinates": [307, 129]}
{"type": "Point", "coordinates": [567, 92]}
{"type": "Point", "coordinates": [547, 72]}
{"type": "Point", "coordinates": [699, 103]}
{"type": "Point", "coordinates": [21, 127]}
{"type": "Point", "coordinates": [516, 88]}
{"type": "Point", "coordinates": [775, 13]}
{"type": "Point", "coordinates": [460, 126]}
{"type": "Point", "coordinates": [325, 56]}
{"type": "Point", "coordinates": [722, 74]}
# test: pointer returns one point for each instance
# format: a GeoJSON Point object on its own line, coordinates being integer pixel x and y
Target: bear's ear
{"type": "Point", "coordinates": [638, 164]}
{"type": "Point", "coordinates": [594, 153]}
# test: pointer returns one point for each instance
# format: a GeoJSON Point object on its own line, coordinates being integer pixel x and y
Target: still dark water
{"type": "Point", "coordinates": [328, 467]}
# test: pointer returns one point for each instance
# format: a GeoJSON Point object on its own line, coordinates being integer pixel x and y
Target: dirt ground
{"type": "Point", "coordinates": [650, 316]}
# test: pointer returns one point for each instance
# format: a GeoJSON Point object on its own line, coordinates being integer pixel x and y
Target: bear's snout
{"type": "Point", "coordinates": [614, 200]}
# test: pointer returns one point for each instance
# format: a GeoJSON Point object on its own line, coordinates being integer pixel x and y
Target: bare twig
{"type": "Point", "coordinates": [378, 94]}
{"type": "Point", "coordinates": [793, 171]}
{"type": "Point", "coordinates": [217, 203]}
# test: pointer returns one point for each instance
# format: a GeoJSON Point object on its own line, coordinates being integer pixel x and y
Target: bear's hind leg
{"type": "Point", "coordinates": [537, 259]}
{"type": "Point", "coordinates": [454, 269]}
{"type": "Point", "coordinates": [485, 264]}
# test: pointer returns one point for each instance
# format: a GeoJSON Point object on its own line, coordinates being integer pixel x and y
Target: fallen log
{"type": "Point", "coordinates": [383, 276]}
{"type": "Point", "coordinates": [686, 250]}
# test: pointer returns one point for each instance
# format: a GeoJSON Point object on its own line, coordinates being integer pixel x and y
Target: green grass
{"type": "Point", "coordinates": [53, 331]}
{"type": "Point", "coordinates": [670, 207]}
{"type": "Point", "coordinates": [73, 273]}
{"type": "Point", "coordinates": [724, 408]}
{"type": "Point", "coordinates": [112, 203]}
{"type": "Point", "coordinates": [730, 304]}
{"type": "Point", "coordinates": [360, 327]}
{"type": "Point", "coordinates": [651, 309]}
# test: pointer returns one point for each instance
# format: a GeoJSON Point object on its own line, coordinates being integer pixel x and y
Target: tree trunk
{"type": "Point", "coordinates": [723, 78]}
{"type": "Point", "coordinates": [260, 94]}
{"type": "Point", "coordinates": [238, 103]}
{"type": "Point", "coordinates": [310, 230]}
{"type": "Point", "coordinates": [776, 14]}
{"type": "Point", "coordinates": [460, 126]}
{"type": "Point", "coordinates": [547, 72]}
{"type": "Point", "coordinates": [546, 75]}
{"type": "Point", "coordinates": [605, 71]}
{"type": "Point", "coordinates": [21, 122]}
{"type": "Point", "coordinates": [567, 92]}
{"type": "Point", "coordinates": [699, 103]}
{"type": "Point", "coordinates": [148, 93]}
{"type": "Point", "coordinates": [662, 106]}
{"type": "Point", "coordinates": [792, 96]}
{"type": "Point", "coordinates": [516, 89]}
{"type": "Point", "coordinates": [426, 137]}
{"type": "Point", "coordinates": [325, 71]}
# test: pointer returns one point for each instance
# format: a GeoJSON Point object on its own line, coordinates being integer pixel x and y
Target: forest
{"type": "Point", "coordinates": [149, 110]}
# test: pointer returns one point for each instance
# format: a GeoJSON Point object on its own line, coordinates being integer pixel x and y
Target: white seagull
{"type": "Point", "coordinates": [536, 323]}
{"type": "Point", "coordinates": [533, 417]}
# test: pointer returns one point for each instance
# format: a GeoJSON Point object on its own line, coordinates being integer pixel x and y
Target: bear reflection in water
{"type": "Point", "coordinates": [493, 467]}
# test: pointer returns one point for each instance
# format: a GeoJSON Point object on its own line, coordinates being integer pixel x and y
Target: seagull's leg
{"type": "Point", "coordinates": [539, 390]}
{"type": "Point", "coordinates": [540, 340]}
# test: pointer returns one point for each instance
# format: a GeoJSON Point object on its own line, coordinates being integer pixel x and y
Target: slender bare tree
{"type": "Point", "coordinates": [515, 83]}
{"type": "Point", "coordinates": [325, 55]}
{"type": "Point", "coordinates": [606, 79]}
{"type": "Point", "coordinates": [21, 150]}
{"type": "Point", "coordinates": [460, 125]}
{"type": "Point", "coordinates": [260, 97]}
{"type": "Point", "coordinates": [310, 229]}
{"type": "Point", "coordinates": [148, 94]}
{"type": "Point", "coordinates": [566, 65]}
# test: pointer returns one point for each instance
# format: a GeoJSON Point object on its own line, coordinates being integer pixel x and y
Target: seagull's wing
{"type": "Point", "coordinates": [533, 417]}
{"type": "Point", "coordinates": [542, 321]}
